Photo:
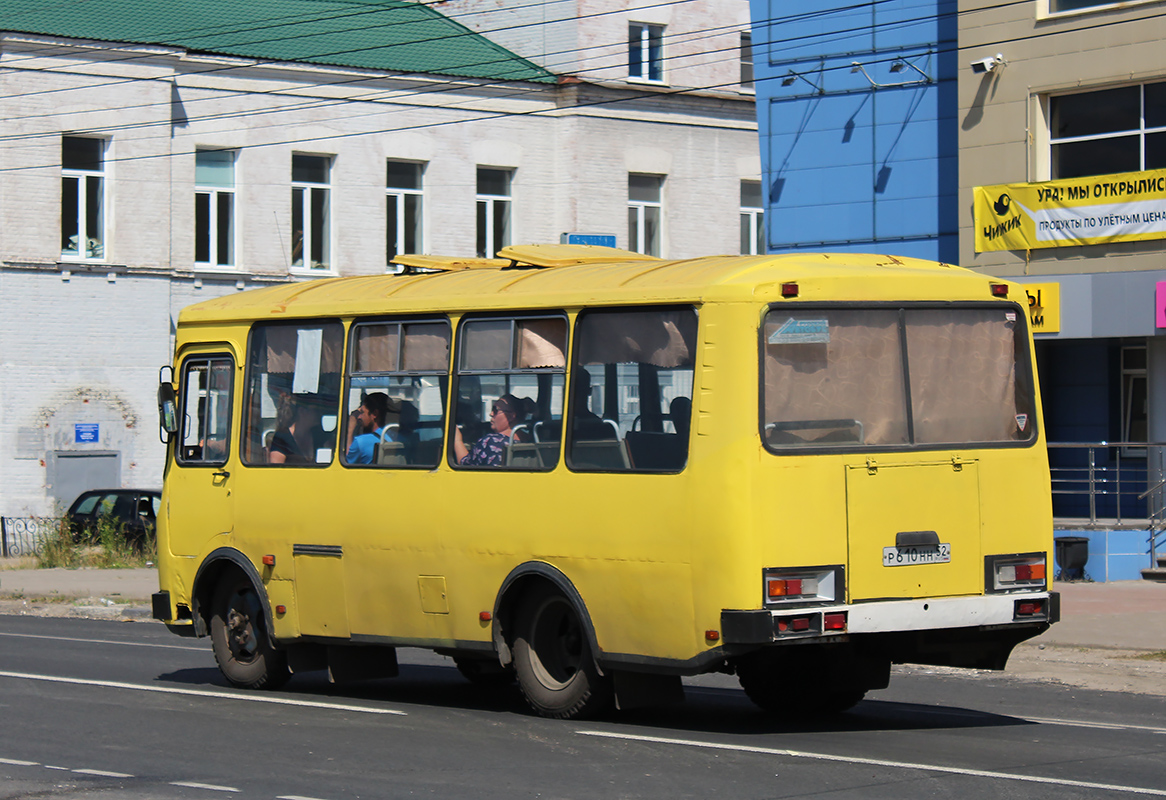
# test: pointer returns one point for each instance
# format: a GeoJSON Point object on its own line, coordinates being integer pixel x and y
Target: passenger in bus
{"type": "Point", "coordinates": [298, 435]}
{"type": "Point", "coordinates": [586, 425]}
{"type": "Point", "coordinates": [680, 412]}
{"type": "Point", "coordinates": [488, 450]}
{"type": "Point", "coordinates": [369, 418]}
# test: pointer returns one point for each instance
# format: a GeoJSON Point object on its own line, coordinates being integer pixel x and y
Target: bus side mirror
{"type": "Point", "coordinates": [167, 408]}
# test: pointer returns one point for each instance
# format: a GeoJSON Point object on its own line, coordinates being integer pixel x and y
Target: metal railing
{"type": "Point", "coordinates": [1120, 481]}
{"type": "Point", "coordinates": [25, 536]}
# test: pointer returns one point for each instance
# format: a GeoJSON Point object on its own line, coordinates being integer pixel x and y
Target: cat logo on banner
{"type": "Point", "coordinates": [1101, 208]}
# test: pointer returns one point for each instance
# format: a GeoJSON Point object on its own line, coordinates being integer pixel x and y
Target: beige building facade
{"type": "Point", "coordinates": [1063, 104]}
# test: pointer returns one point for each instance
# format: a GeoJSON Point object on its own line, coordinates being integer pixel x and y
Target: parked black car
{"type": "Point", "coordinates": [136, 509]}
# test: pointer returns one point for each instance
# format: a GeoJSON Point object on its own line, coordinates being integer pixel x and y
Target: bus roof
{"type": "Point", "coordinates": [564, 276]}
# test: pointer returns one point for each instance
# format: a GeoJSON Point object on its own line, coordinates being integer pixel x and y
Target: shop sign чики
{"type": "Point", "coordinates": [1094, 210]}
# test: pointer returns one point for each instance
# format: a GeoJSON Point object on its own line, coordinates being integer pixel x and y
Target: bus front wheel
{"type": "Point", "coordinates": [553, 660]}
{"type": "Point", "coordinates": [239, 637]}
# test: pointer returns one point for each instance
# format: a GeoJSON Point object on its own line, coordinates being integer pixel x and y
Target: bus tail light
{"type": "Point", "coordinates": [804, 585]}
{"type": "Point", "coordinates": [999, 289]}
{"type": "Point", "coordinates": [1026, 571]}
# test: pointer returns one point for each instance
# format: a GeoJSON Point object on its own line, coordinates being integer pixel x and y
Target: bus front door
{"type": "Point", "coordinates": [200, 485]}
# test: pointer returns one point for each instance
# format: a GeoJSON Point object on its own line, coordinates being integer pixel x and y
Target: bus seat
{"type": "Point", "coordinates": [600, 454]}
{"type": "Point", "coordinates": [524, 455]}
{"type": "Point", "coordinates": [652, 450]}
{"type": "Point", "coordinates": [391, 454]}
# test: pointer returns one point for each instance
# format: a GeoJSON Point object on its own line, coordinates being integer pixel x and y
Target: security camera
{"type": "Point", "coordinates": [988, 64]}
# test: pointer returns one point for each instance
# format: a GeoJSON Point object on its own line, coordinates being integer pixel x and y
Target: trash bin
{"type": "Point", "coordinates": [1071, 553]}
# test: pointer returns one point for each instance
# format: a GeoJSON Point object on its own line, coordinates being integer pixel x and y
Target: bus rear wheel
{"type": "Point", "coordinates": [553, 660]}
{"type": "Point", "coordinates": [795, 687]}
{"type": "Point", "coordinates": [239, 637]}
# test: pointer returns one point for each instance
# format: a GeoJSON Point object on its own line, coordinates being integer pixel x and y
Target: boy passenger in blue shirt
{"type": "Point", "coordinates": [370, 419]}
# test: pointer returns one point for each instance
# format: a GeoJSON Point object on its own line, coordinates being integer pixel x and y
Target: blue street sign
{"type": "Point", "coordinates": [596, 239]}
{"type": "Point", "coordinates": [86, 432]}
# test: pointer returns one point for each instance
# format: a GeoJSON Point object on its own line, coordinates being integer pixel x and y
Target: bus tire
{"type": "Point", "coordinates": [553, 659]}
{"type": "Point", "coordinates": [484, 672]}
{"type": "Point", "coordinates": [239, 637]}
{"type": "Point", "coordinates": [793, 691]}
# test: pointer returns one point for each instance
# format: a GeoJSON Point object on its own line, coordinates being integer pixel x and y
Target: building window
{"type": "Point", "coordinates": [82, 198]}
{"type": "Point", "coordinates": [1108, 131]}
{"type": "Point", "coordinates": [645, 209]}
{"type": "Point", "coordinates": [646, 52]}
{"type": "Point", "coordinates": [311, 217]}
{"type": "Point", "coordinates": [747, 61]}
{"type": "Point", "coordinates": [214, 208]}
{"type": "Point", "coordinates": [493, 210]}
{"type": "Point", "coordinates": [752, 219]}
{"type": "Point", "coordinates": [403, 213]}
{"type": "Point", "coordinates": [1134, 399]}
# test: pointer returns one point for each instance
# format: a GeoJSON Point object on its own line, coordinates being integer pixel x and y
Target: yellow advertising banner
{"type": "Point", "coordinates": [1044, 307]}
{"type": "Point", "coordinates": [1094, 210]}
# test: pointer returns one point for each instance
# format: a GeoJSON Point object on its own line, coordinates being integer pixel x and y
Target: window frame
{"type": "Point", "coordinates": [633, 390]}
{"type": "Point", "coordinates": [245, 421]}
{"type": "Point", "coordinates": [488, 207]}
{"type": "Point", "coordinates": [647, 39]}
{"type": "Point", "coordinates": [214, 195]}
{"type": "Point", "coordinates": [745, 49]}
{"type": "Point", "coordinates": [400, 223]}
{"type": "Point", "coordinates": [639, 208]}
{"type": "Point", "coordinates": [1141, 132]}
{"type": "Point", "coordinates": [754, 216]}
{"type": "Point", "coordinates": [208, 360]}
{"type": "Point", "coordinates": [350, 372]}
{"type": "Point", "coordinates": [83, 178]}
{"type": "Point", "coordinates": [457, 373]}
{"type": "Point", "coordinates": [309, 191]}
{"type": "Point", "coordinates": [1023, 361]}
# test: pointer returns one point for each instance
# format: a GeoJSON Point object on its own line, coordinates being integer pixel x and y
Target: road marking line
{"type": "Point", "coordinates": [876, 762]}
{"type": "Point", "coordinates": [1106, 726]}
{"type": "Point", "coordinates": [104, 641]}
{"type": "Point", "coordinates": [62, 769]}
{"type": "Point", "coordinates": [279, 701]}
{"type": "Point", "coordinates": [210, 786]}
{"type": "Point", "coordinates": [101, 773]}
{"type": "Point", "coordinates": [295, 797]}
{"type": "Point", "coordinates": [15, 763]}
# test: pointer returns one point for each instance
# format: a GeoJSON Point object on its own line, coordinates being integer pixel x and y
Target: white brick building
{"type": "Point", "coordinates": [138, 175]}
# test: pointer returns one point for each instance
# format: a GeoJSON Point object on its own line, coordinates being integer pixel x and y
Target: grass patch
{"type": "Point", "coordinates": [105, 547]}
{"type": "Point", "coordinates": [1158, 655]}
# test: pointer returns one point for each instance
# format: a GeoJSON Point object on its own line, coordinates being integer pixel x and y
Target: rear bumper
{"type": "Point", "coordinates": [993, 611]}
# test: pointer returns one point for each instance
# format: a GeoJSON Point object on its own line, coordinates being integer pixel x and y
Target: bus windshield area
{"type": "Point", "coordinates": [847, 377]}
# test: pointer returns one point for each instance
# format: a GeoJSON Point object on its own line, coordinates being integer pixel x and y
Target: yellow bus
{"type": "Point", "coordinates": [597, 472]}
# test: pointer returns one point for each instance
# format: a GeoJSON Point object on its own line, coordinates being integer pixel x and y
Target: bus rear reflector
{"type": "Point", "coordinates": [835, 621]}
{"type": "Point", "coordinates": [999, 289]}
{"type": "Point", "coordinates": [789, 290]}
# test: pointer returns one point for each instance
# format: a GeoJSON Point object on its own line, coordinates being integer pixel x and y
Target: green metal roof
{"type": "Point", "coordinates": [389, 35]}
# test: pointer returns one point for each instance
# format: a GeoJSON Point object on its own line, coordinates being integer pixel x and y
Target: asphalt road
{"type": "Point", "coordinates": [126, 710]}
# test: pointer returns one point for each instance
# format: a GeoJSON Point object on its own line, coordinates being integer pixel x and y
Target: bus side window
{"type": "Point", "coordinates": [204, 436]}
{"type": "Point", "coordinates": [399, 370]}
{"type": "Point", "coordinates": [510, 380]}
{"type": "Point", "coordinates": [293, 393]}
{"type": "Point", "coordinates": [631, 396]}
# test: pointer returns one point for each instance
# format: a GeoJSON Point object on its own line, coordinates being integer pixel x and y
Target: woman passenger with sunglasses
{"type": "Point", "coordinates": [487, 451]}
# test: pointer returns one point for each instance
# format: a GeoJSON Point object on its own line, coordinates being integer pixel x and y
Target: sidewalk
{"type": "Point", "coordinates": [1120, 615]}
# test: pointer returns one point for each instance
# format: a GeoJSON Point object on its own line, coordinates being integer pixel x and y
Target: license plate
{"type": "Point", "coordinates": [906, 556]}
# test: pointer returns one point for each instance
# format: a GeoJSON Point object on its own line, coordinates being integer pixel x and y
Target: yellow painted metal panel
{"type": "Point", "coordinates": [882, 501]}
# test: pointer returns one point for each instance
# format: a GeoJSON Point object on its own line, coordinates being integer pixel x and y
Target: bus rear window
{"type": "Point", "coordinates": [885, 377]}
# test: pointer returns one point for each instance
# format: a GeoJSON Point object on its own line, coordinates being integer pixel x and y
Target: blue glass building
{"type": "Point", "coordinates": [856, 107]}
